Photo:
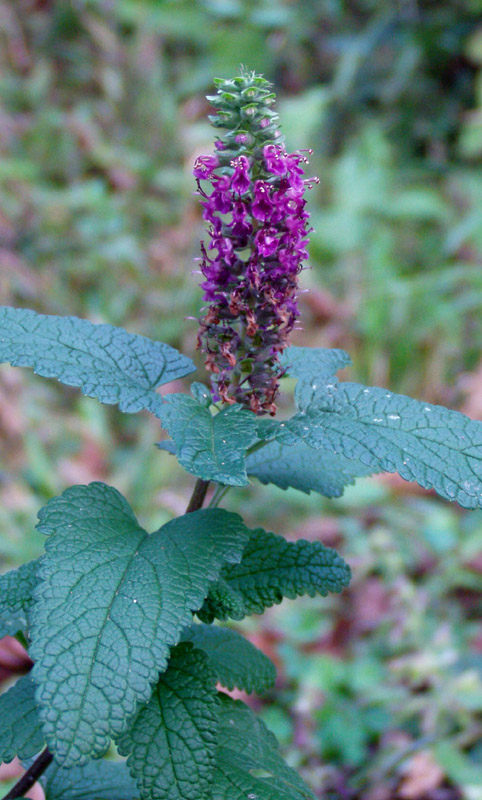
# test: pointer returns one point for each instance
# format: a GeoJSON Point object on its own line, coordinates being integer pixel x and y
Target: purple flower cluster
{"type": "Point", "coordinates": [258, 237]}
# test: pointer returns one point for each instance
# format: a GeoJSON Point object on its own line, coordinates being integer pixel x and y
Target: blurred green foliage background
{"type": "Point", "coordinates": [102, 113]}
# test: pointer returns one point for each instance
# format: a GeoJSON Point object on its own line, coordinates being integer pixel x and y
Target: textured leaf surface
{"type": "Point", "coordinates": [210, 447]}
{"type": "Point", "coordinates": [111, 602]}
{"type": "Point", "coordinates": [247, 751]}
{"type": "Point", "coordinates": [107, 363]}
{"type": "Point", "coordinates": [272, 568]}
{"type": "Point", "coordinates": [222, 602]}
{"type": "Point", "coordinates": [436, 447]}
{"type": "Point", "coordinates": [20, 728]}
{"type": "Point", "coordinates": [16, 589]}
{"type": "Point", "coordinates": [301, 467]}
{"type": "Point", "coordinates": [313, 366]}
{"type": "Point", "coordinates": [97, 780]}
{"type": "Point", "coordinates": [173, 738]}
{"type": "Point", "coordinates": [236, 662]}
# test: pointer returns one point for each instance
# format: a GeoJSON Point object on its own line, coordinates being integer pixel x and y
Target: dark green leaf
{"type": "Point", "coordinates": [20, 728]}
{"type": "Point", "coordinates": [97, 780]}
{"type": "Point", "coordinates": [236, 662]}
{"type": "Point", "coordinates": [110, 603]}
{"type": "Point", "coordinates": [16, 589]}
{"type": "Point", "coordinates": [107, 363]}
{"type": "Point", "coordinates": [222, 602]}
{"type": "Point", "coordinates": [172, 740]}
{"type": "Point", "coordinates": [438, 448]}
{"type": "Point", "coordinates": [249, 766]}
{"type": "Point", "coordinates": [210, 447]}
{"type": "Point", "coordinates": [301, 467]}
{"type": "Point", "coordinates": [272, 568]}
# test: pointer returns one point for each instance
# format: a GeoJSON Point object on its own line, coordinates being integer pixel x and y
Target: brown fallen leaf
{"type": "Point", "coordinates": [422, 775]}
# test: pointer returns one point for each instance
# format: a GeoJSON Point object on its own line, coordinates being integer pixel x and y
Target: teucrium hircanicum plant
{"type": "Point", "coordinates": [118, 620]}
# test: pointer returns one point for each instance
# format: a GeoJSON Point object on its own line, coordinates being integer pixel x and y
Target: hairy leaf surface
{"type": "Point", "coordinates": [111, 602]}
{"type": "Point", "coordinates": [210, 447]}
{"type": "Point", "coordinates": [97, 780]}
{"type": "Point", "coordinates": [236, 662]}
{"type": "Point", "coordinates": [16, 589]}
{"type": "Point", "coordinates": [301, 467]}
{"type": "Point", "coordinates": [435, 447]}
{"type": "Point", "coordinates": [172, 741]}
{"type": "Point", "coordinates": [222, 602]}
{"type": "Point", "coordinates": [105, 362]}
{"type": "Point", "coordinates": [272, 568]}
{"type": "Point", "coordinates": [20, 727]}
{"type": "Point", "coordinates": [248, 761]}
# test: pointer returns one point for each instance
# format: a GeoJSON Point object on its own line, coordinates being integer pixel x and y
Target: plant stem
{"type": "Point", "coordinates": [198, 496]}
{"type": "Point", "coordinates": [218, 495]}
{"type": "Point", "coordinates": [31, 776]}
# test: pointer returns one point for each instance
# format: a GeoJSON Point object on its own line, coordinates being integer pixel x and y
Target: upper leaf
{"type": "Point", "coordinates": [97, 780]}
{"type": "Point", "coordinates": [210, 447]}
{"type": "Point", "coordinates": [110, 603]}
{"type": "Point", "coordinates": [300, 467]}
{"type": "Point", "coordinates": [236, 662]}
{"type": "Point", "coordinates": [429, 444]}
{"type": "Point", "coordinates": [16, 589]}
{"type": "Point", "coordinates": [312, 366]}
{"type": "Point", "coordinates": [20, 728]}
{"type": "Point", "coordinates": [272, 568]}
{"type": "Point", "coordinates": [248, 761]}
{"type": "Point", "coordinates": [105, 362]}
{"type": "Point", "coordinates": [172, 740]}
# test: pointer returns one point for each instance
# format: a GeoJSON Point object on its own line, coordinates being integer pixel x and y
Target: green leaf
{"type": "Point", "coordinates": [20, 729]}
{"type": "Point", "coordinates": [248, 761]}
{"type": "Point", "coordinates": [312, 365]}
{"type": "Point", "coordinates": [110, 603]}
{"type": "Point", "coordinates": [210, 447]}
{"type": "Point", "coordinates": [236, 662]}
{"type": "Point", "coordinates": [16, 589]}
{"type": "Point", "coordinates": [300, 467]}
{"type": "Point", "coordinates": [172, 740]}
{"type": "Point", "coordinates": [107, 363]}
{"type": "Point", "coordinates": [222, 602]}
{"type": "Point", "coordinates": [272, 568]}
{"type": "Point", "coordinates": [97, 780]}
{"type": "Point", "coordinates": [438, 448]}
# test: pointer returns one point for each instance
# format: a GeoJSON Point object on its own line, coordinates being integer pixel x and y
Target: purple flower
{"type": "Point", "coordinates": [204, 167]}
{"type": "Point", "coordinates": [258, 237]}
{"type": "Point", "coordinates": [262, 205]}
{"type": "Point", "coordinates": [240, 181]}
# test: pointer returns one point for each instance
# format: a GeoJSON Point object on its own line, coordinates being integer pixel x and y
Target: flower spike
{"type": "Point", "coordinates": [258, 230]}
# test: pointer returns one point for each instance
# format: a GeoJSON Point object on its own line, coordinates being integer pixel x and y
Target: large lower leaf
{"type": "Point", "coordinates": [210, 447]}
{"type": "Point", "coordinates": [236, 662]}
{"type": "Point", "coordinates": [301, 467]}
{"type": "Point", "coordinates": [110, 603]}
{"type": "Point", "coordinates": [107, 363]}
{"type": "Point", "coordinates": [16, 589]}
{"type": "Point", "coordinates": [172, 741]}
{"type": "Point", "coordinates": [97, 780]}
{"type": "Point", "coordinates": [248, 763]}
{"type": "Point", "coordinates": [20, 727]}
{"type": "Point", "coordinates": [438, 448]}
{"type": "Point", "coordinates": [272, 568]}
